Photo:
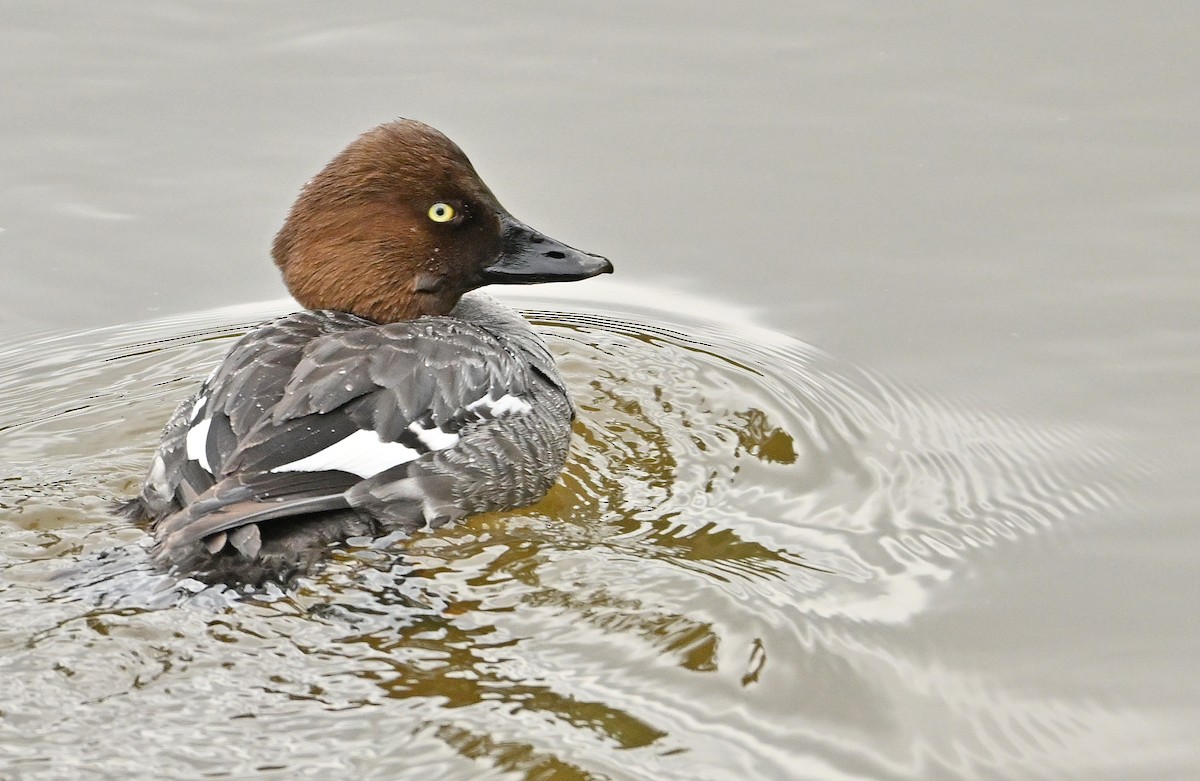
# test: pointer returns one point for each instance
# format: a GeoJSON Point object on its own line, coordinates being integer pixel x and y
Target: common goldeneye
{"type": "Point", "coordinates": [398, 401]}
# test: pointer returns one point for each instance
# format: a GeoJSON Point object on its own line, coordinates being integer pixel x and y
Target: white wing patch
{"type": "Point", "coordinates": [504, 406]}
{"type": "Point", "coordinates": [197, 444]}
{"type": "Point", "coordinates": [362, 453]}
{"type": "Point", "coordinates": [198, 407]}
{"type": "Point", "coordinates": [433, 438]}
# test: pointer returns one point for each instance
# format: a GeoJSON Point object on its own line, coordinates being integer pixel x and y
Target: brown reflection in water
{"type": "Point", "coordinates": [694, 643]}
{"type": "Point", "coordinates": [511, 756]}
{"type": "Point", "coordinates": [722, 548]}
{"type": "Point", "coordinates": [764, 441]}
{"type": "Point", "coordinates": [437, 658]}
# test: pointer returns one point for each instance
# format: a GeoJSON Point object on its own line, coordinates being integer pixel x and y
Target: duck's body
{"type": "Point", "coordinates": [378, 411]}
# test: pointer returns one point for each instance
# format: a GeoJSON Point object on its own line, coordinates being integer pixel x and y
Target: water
{"type": "Point", "coordinates": [885, 465]}
{"type": "Point", "coordinates": [727, 577]}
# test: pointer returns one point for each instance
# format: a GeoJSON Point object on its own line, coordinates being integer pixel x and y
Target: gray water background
{"type": "Point", "coordinates": [997, 203]}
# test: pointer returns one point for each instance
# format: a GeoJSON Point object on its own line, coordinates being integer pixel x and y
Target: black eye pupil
{"type": "Point", "coordinates": [442, 212]}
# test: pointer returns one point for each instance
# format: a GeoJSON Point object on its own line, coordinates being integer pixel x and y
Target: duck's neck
{"type": "Point", "coordinates": [483, 310]}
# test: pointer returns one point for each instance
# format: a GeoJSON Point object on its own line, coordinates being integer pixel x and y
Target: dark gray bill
{"type": "Point", "coordinates": [529, 257]}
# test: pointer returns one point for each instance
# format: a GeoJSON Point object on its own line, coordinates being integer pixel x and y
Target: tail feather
{"type": "Point", "coordinates": [232, 517]}
{"type": "Point", "coordinates": [237, 503]}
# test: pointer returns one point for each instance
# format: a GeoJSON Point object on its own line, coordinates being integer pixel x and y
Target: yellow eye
{"type": "Point", "coordinates": [441, 212]}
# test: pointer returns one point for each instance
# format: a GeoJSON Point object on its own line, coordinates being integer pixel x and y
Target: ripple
{"type": "Point", "coordinates": [727, 580]}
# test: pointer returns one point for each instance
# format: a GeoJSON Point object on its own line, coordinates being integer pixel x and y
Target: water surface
{"type": "Point", "coordinates": [730, 578]}
{"type": "Point", "coordinates": [962, 547]}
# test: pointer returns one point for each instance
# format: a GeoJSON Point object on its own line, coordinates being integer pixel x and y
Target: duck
{"type": "Point", "coordinates": [399, 399]}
